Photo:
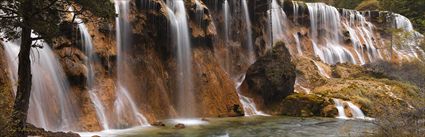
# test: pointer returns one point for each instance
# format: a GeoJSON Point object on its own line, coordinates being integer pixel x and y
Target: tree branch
{"type": "Point", "coordinates": [8, 17]}
{"type": "Point", "coordinates": [45, 8]}
{"type": "Point", "coordinates": [8, 9]}
{"type": "Point", "coordinates": [36, 38]}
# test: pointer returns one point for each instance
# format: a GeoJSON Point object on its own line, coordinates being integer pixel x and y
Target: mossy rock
{"type": "Point", "coordinates": [307, 105]}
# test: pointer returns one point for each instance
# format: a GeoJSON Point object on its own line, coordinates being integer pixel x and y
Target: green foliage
{"type": "Point", "coordinates": [368, 5]}
{"type": "Point", "coordinates": [412, 72]}
{"type": "Point", "coordinates": [46, 15]}
{"type": "Point", "coordinates": [99, 8]}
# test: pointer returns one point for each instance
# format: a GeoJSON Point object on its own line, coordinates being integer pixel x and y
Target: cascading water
{"type": "Point", "coordinates": [86, 42]}
{"type": "Point", "coordinates": [248, 104]}
{"type": "Point", "coordinates": [409, 45]}
{"type": "Point", "coordinates": [296, 11]}
{"type": "Point", "coordinates": [279, 22]}
{"type": "Point", "coordinates": [356, 112]}
{"type": "Point", "coordinates": [339, 104]}
{"type": "Point", "coordinates": [249, 41]}
{"type": "Point", "coordinates": [186, 100]}
{"type": "Point", "coordinates": [50, 104]}
{"type": "Point", "coordinates": [126, 109]}
{"type": "Point", "coordinates": [361, 33]}
{"type": "Point", "coordinates": [199, 11]}
{"type": "Point", "coordinates": [298, 43]}
{"type": "Point", "coordinates": [321, 70]}
{"type": "Point", "coordinates": [325, 22]}
{"type": "Point", "coordinates": [227, 23]}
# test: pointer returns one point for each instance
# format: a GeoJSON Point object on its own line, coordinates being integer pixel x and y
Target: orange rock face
{"type": "Point", "coordinates": [151, 68]}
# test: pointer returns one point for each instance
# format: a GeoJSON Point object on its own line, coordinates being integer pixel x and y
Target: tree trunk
{"type": "Point", "coordinates": [23, 93]}
{"type": "Point", "coordinates": [20, 108]}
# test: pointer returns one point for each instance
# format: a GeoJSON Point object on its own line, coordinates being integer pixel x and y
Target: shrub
{"type": "Point", "coordinates": [412, 72]}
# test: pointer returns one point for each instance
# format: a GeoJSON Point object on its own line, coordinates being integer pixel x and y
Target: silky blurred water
{"type": "Point", "coordinates": [256, 126]}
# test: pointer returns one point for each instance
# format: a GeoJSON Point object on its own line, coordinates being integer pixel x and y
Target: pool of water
{"type": "Point", "coordinates": [252, 126]}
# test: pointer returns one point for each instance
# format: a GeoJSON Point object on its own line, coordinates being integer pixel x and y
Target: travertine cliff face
{"type": "Point", "coordinates": [218, 62]}
{"type": "Point", "coordinates": [152, 65]}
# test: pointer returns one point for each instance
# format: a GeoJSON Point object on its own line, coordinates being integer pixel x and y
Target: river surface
{"type": "Point", "coordinates": [258, 126]}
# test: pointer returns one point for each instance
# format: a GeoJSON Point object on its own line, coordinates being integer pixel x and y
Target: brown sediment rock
{"type": "Point", "coordinates": [151, 67]}
{"type": "Point", "coordinates": [158, 124]}
{"type": "Point", "coordinates": [179, 126]}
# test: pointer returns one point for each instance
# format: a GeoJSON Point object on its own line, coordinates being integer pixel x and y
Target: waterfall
{"type": "Point", "coordinates": [248, 104]}
{"type": "Point", "coordinates": [199, 11]}
{"type": "Point", "coordinates": [356, 112]}
{"type": "Point", "coordinates": [325, 22]}
{"type": "Point", "coordinates": [298, 44]}
{"type": "Point", "coordinates": [86, 42]}
{"type": "Point", "coordinates": [321, 70]}
{"type": "Point", "coordinates": [180, 30]}
{"type": "Point", "coordinates": [227, 23]}
{"type": "Point", "coordinates": [409, 45]}
{"type": "Point", "coordinates": [361, 33]}
{"type": "Point", "coordinates": [279, 22]}
{"type": "Point", "coordinates": [339, 104]}
{"type": "Point", "coordinates": [50, 104]}
{"type": "Point", "coordinates": [296, 11]}
{"type": "Point", "coordinates": [226, 20]}
{"type": "Point", "coordinates": [125, 108]}
{"type": "Point", "coordinates": [250, 46]}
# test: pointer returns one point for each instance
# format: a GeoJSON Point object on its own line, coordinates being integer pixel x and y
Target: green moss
{"type": "Point", "coordinates": [368, 5]}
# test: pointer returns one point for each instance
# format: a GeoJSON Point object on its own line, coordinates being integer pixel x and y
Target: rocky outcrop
{"type": "Point", "coordinates": [35, 131]}
{"type": "Point", "coordinates": [307, 105]}
{"type": "Point", "coordinates": [374, 95]}
{"type": "Point", "coordinates": [271, 78]}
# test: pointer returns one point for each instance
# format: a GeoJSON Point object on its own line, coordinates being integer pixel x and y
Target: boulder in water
{"type": "Point", "coordinates": [271, 78]}
{"type": "Point", "coordinates": [158, 124]}
{"type": "Point", "coordinates": [180, 126]}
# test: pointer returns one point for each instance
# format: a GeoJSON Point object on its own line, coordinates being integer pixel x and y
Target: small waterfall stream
{"type": "Point", "coordinates": [249, 40]}
{"type": "Point", "coordinates": [248, 104]}
{"type": "Point", "coordinates": [327, 43]}
{"type": "Point", "coordinates": [298, 44]}
{"type": "Point", "coordinates": [408, 48]}
{"type": "Point", "coordinates": [356, 112]}
{"type": "Point", "coordinates": [86, 42]}
{"type": "Point", "coordinates": [320, 69]}
{"type": "Point", "coordinates": [339, 104]}
{"type": "Point", "coordinates": [126, 109]}
{"type": "Point", "coordinates": [50, 104]}
{"type": "Point", "coordinates": [279, 22]}
{"type": "Point", "coordinates": [177, 15]}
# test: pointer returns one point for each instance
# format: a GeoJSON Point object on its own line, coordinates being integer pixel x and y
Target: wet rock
{"type": "Point", "coordinates": [158, 124]}
{"type": "Point", "coordinates": [35, 131]}
{"type": "Point", "coordinates": [180, 126]}
{"type": "Point", "coordinates": [271, 78]}
{"type": "Point", "coordinates": [304, 105]}
{"type": "Point", "coordinates": [205, 119]}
